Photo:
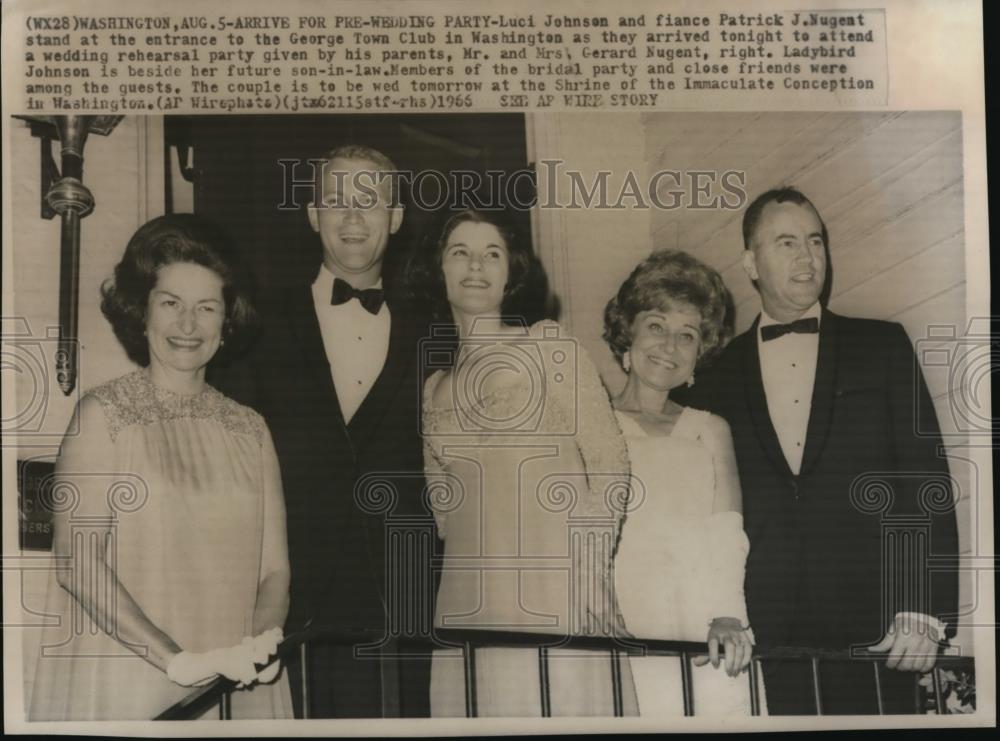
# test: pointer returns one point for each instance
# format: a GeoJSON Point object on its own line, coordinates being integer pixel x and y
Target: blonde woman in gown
{"type": "Point", "coordinates": [680, 566]}
{"type": "Point", "coordinates": [522, 454]}
{"type": "Point", "coordinates": [169, 524]}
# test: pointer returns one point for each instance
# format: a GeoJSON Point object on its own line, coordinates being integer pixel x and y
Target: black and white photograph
{"type": "Point", "coordinates": [632, 419]}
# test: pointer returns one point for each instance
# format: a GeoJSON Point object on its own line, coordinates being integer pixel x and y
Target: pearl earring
{"type": "Point", "coordinates": [626, 362]}
{"type": "Point", "coordinates": [690, 381]}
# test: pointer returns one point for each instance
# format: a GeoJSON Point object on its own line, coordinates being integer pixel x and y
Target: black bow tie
{"type": "Point", "coordinates": [809, 325]}
{"type": "Point", "coordinates": [371, 298]}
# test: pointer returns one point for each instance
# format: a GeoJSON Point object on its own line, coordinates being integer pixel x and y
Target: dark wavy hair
{"type": "Point", "coordinates": [663, 279]}
{"type": "Point", "coordinates": [526, 292]}
{"type": "Point", "coordinates": [176, 238]}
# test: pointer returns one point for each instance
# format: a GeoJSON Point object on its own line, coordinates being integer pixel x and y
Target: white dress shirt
{"type": "Point", "coordinates": [356, 342]}
{"type": "Point", "coordinates": [788, 368]}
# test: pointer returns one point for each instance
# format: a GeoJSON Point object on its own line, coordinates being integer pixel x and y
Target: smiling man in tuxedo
{"type": "Point", "coordinates": [335, 375]}
{"type": "Point", "coordinates": [825, 412]}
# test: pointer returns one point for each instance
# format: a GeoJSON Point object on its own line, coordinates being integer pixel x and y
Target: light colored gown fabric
{"type": "Point", "coordinates": [195, 476]}
{"type": "Point", "coordinates": [518, 480]}
{"type": "Point", "coordinates": [678, 565]}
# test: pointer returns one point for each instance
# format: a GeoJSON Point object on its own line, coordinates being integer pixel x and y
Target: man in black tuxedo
{"type": "Point", "coordinates": [335, 374]}
{"type": "Point", "coordinates": [839, 455]}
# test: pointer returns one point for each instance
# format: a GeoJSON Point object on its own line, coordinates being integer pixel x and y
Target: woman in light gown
{"type": "Point", "coordinates": [169, 520]}
{"type": "Point", "coordinates": [680, 565]}
{"type": "Point", "coordinates": [522, 455]}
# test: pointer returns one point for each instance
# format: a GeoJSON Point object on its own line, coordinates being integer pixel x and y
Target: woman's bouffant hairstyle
{"type": "Point", "coordinates": [526, 292]}
{"type": "Point", "coordinates": [176, 238]}
{"type": "Point", "coordinates": [664, 279]}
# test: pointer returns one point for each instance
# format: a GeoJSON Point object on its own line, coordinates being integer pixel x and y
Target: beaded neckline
{"type": "Point", "coordinates": [161, 393]}
{"type": "Point", "coordinates": [135, 399]}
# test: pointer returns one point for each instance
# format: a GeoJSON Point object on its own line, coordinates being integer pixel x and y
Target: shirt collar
{"type": "Point", "coordinates": [766, 319]}
{"type": "Point", "coordinates": [323, 285]}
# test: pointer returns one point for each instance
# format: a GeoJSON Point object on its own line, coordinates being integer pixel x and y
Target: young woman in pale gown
{"type": "Point", "coordinates": [680, 566]}
{"type": "Point", "coordinates": [169, 521]}
{"type": "Point", "coordinates": [522, 454]}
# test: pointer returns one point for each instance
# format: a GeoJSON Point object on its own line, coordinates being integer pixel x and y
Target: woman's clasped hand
{"type": "Point", "coordinates": [193, 669]}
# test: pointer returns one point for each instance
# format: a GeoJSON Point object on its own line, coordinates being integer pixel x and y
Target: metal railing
{"type": "Point", "coordinates": [470, 641]}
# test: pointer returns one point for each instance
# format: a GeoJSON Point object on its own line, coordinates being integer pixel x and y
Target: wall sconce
{"type": "Point", "coordinates": [64, 193]}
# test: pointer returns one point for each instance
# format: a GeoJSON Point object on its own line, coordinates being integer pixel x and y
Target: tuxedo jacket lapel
{"type": "Point", "coordinates": [824, 390]}
{"type": "Point", "coordinates": [401, 353]}
{"type": "Point", "coordinates": [757, 401]}
{"type": "Point", "coordinates": [367, 422]}
{"type": "Point", "coordinates": [303, 326]}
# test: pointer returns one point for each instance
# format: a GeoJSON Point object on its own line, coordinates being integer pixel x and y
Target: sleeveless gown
{"type": "Point", "coordinates": [664, 574]}
{"type": "Point", "coordinates": [186, 490]}
{"type": "Point", "coordinates": [514, 479]}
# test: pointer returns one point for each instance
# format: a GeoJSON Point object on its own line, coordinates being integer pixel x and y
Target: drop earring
{"type": "Point", "coordinates": [690, 381]}
{"type": "Point", "coordinates": [626, 361]}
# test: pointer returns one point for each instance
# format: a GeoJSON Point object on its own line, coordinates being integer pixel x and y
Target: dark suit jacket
{"type": "Point", "coordinates": [830, 562]}
{"type": "Point", "coordinates": [338, 515]}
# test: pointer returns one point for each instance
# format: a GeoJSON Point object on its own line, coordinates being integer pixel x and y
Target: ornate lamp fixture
{"type": "Point", "coordinates": [64, 193]}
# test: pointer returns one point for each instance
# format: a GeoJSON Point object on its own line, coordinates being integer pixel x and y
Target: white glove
{"type": "Point", "coordinates": [194, 669]}
{"type": "Point", "coordinates": [265, 646]}
{"type": "Point", "coordinates": [190, 669]}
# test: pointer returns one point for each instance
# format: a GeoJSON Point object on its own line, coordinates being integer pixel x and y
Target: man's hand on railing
{"type": "Point", "coordinates": [735, 641]}
{"type": "Point", "coordinates": [912, 644]}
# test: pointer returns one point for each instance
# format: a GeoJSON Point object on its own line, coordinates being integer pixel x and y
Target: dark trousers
{"type": "Point", "coordinates": [347, 683]}
{"type": "Point", "coordinates": [846, 688]}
